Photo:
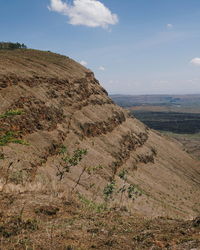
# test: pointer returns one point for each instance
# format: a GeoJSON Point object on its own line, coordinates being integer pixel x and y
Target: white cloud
{"type": "Point", "coordinates": [102, 68]}
{"type": "Point", "coordinates": [58, 6]}
{"type": "Point", "coordinates": [195, 61]}
{"type": "Point", "coordinates": [90, 13]}
{"type": "Point", "coordinates": [84, 63]}
{"type": "Point", "coordinates": [170, 26]}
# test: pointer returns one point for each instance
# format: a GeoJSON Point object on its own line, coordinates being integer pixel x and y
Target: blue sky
{"type": "Point", "coordinates": [133, 46]}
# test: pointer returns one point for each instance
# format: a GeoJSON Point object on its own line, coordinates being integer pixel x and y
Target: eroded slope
{"type": "Point", "coordinates": [65, 106]}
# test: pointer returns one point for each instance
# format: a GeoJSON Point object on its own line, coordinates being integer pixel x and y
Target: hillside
{"type": "Point", "coordinates": [53, 110]}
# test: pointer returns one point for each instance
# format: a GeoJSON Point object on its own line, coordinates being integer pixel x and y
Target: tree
{"type": "Point", "coordinates": [12, 46]}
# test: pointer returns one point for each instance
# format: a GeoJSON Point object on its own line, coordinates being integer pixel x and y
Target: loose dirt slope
{"type": "Point", "coordinates": [63, 104]}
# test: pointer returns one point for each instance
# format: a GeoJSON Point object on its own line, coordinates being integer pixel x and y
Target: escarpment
{"type": "Point", "coordinates": [62, 105]}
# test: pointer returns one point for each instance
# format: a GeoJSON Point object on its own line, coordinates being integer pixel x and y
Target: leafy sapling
{"type": "Point", "coordinates": [69, 160]}
{"type": "Point", "coordinates": [109, 190]}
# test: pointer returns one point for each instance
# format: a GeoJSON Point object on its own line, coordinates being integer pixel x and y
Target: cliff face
{"type": "Point", "coordinates": [63, 105]}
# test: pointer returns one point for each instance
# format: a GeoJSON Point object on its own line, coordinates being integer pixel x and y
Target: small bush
{"type": "Point", "coordinates": [109, 190]}
{"type": "Point", "coordinates": [69, 161]}
{"type": "Point", "coordinates": [133, 192]}
{"type": "Point", "coordinates": [122, 174]}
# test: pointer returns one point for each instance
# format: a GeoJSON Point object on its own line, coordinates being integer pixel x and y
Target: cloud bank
{"type": "Point", "coordinates": [91, 13]}
{"type": "Point", "coordinates": [195, 61]}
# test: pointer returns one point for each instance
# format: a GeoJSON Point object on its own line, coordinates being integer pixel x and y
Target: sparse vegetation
{"type": "Point", "coordinates": [123, 174]}
{"type": "Point", "coordinates": [93, 170]}
{"type": "Point", "coordinates": [92, 205]}
{"type": "Point", "coordinates": [109, 191]}
{"type": "Point", "coordinates": [12, 112]}
{"type": "Point", "coordinates": [11, 137]}
{"type": "Point", "coordinates": [46, 226]}
{"type": "Point", "coordinates": [133, 191]}
{"type": "Point", "coordinates": [130, 190]}
{"type": "Point", "coordinates": [68, 160]}
{"type": "Point", "coordinates": [7, 137]}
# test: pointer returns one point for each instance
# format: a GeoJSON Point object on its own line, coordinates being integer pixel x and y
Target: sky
{"type": "Point", "coordinates": [133, 46]}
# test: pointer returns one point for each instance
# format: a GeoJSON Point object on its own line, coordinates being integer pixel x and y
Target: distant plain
{"type": "Point", "coordinates": [176, 116]}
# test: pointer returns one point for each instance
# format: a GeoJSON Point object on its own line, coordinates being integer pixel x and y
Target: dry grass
{"type": "Point", "coordinates": [29, 63]}
{"type": "Point", "coordinates": [74, 224]}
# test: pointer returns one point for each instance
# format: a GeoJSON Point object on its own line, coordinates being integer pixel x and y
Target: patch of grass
{"type": "Point", "coordinates": [62, 149]}
{"type": "Point", "coordinates": [92, 205]}
{"type": "Point", "coordinates": [11, 137]}
{"type": "Point", "coordinates": [11, 113]}
{"type": "Point", "coordinates": [93, 170]}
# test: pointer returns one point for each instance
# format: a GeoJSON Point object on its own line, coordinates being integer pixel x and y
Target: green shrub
{"type": "Point", "coordinates": [133, 191]}
{"type": "Point", "coordinates": [69, 160]}
{"type": "Point", "coordinates": [109, 190]}
{"type": "Point", "coordinates": [122, 174]}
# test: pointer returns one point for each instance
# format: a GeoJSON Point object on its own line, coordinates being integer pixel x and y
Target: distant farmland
{"type": "Point", "coordinates": [187, 123]}
{"type": "Point", "coordinates": [176, 113]}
